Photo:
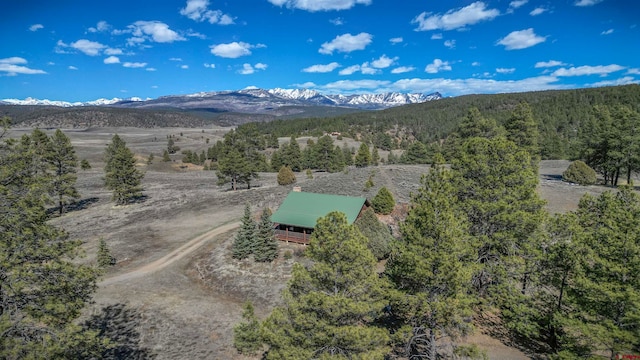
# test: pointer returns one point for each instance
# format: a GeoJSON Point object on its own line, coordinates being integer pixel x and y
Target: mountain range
{"type": "Point", "coordinates": [249, 101]}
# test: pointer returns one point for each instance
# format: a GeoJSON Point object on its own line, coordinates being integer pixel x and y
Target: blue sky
{"type": "Point", "coordinates": [80, 51]}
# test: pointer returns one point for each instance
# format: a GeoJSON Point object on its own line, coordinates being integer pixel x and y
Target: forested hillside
{"type": "Point", "coordinates": [560, 115]}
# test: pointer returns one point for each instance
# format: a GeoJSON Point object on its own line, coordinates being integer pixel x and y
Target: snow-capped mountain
{"type": "Point", "coordinates": [252, 100]}
{"type": "Point", "coordinates": [46, 102]}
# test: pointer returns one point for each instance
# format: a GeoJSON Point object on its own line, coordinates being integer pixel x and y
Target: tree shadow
{"type": "Point", "coordinates": [82, 204]}
{"type": "Point", "coordinates": [554, 177]}
{"type": "Point", "coordinates": [119, 324]}
{"type": "Point", "coordinates": [492, 325]}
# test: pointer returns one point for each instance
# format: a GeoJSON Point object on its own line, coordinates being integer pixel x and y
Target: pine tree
{"type": "Point", "coordinates": [522, 129]}
{"type": "Point", "coordinates": [246, 335]}
{"type": "Point", "coordinates": [331, 306]}
{"type": "Point", "coordinates": [84, 164]}
{"type": "Point", "coordinates": [363, 157]}
{"type": "Point", "coordinates": [165, 156]}
{"type": "Point", "coordinates": [244, 242]}
{"type": "Point", "coordinates": [383, 202]}
{"type": "Point", "coordinates": [430, 267]}
{"type": "Point", "coordinates": [43, 286]}
{"type": "Point", "coordinates": [376, 232]}
{"type": "Point", "coordinates": [496, 187]}
{"type": "Point", "coordinates": [375, 157]}
{"type": "Point", "coordinates": [347, 156]}
{"type": "Point", "coordinates": [266, 244]}
{"type": "Point", "coordinates": [104, 257]}
{"type": "Point", "coordinates": [286, 176]}
{"type": "Point", "coordinates": [121, 175]}
{"type": "Point", "coordinates": [64, 163]}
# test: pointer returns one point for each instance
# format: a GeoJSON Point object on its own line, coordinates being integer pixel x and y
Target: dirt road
{"type": "Point", "coordinates": [171, 257]}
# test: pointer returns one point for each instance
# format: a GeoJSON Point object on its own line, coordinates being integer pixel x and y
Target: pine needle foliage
{"type": "Point", "coordinates": [383, 202]}
{"type": "Point", "coordinates": [243, 244]}
{"type": "Point", "coordinates": [266, 244]}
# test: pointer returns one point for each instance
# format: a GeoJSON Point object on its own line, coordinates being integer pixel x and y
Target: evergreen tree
{"type": "Point", "coordinates": [266, 244]}
{"type": "Point", "coordinates": [522, 129]}
{"type": "Point", "coordinates": [363, 157]}
{"type": "Point", "coordinates": [496, 187]}
{"type": "Point", "coordinates": [246, 335]}
{"type": "Point", "coordinates": [104, 257]}
{"type": "Point", "coordinates": [430, 267]}
{"type": "Point", "coordinates": [286, 176]}
{"type": "Point", "coordinates": [84, 164]}
{"type": "Point", "coordinates": [235, 168]}
{"type": "Point", "coordinates": [383, 202]}
{"type": "Point", "coordinates": [347, 156]}
{"type": "Point", "coordinates": [64, 163]}
{"type": "Point", "coordinates": [331, 306]}
{"type": "Point", "coordinates": [165, 156]}
{"type": "Point", "coordinates": [375, 157]}
{"type": "Point", "coordinates": [121, 175]}
{"type": "Point", "coordinates": [171, 146]}
{"type": "Point", "coordinates": [43, 287]}
{"type": "Point", "coordinates": [292, 155]}
{"type": "Point", "coordinates": [609, 288]}
{"type": "Point", "coordinates": [243, 244]}
{"type": "Point", "coordinates": [417, 153]}
{"type": "Point", "coordinates": [376, 232]}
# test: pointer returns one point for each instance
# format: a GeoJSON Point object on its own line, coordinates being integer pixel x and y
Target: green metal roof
{"type": "Point", "coordinates": [303, 209]}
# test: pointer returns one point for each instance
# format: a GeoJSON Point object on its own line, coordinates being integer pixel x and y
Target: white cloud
{"type": "Point", "coordinates": [475, 63]}
{"type": "Point", "coordinates": [437, 65]}
{"type": "Point", "coordinates": [601, 70]}
{"type": "Point", "coordinates": [184, 67]}
{"type": "Point", "coordinates": [71, 67]}
{"type": "Point", "coordinates": [13, 66]}
{"type": "Point", "coordinates": [319, 68]}
{"type": "Point", "coordinates": [537, 11]}
{"type": "Point", "coordinates": [457, 87]}
{"type": "Point", "coordinates": [88, 47]}
{"type": "Point", "coordinates": [112, 51]}
{"type": "Point", "coordinates": [396, 40]}
{"type": "Point", "coordinates": [36, 27]}
{"type": "Point", "coordinates": [346, 43]}
{"type": "Point", "coordinates": [100, 27]}
{"type": "Point", "coordinates": [522, 39]}
{"type": "Point", "coordinates": [367, 69]}
{"type": "Point", "coordinates": [233, 50]}
{"type": "Point", "coordinates": [319, 5]}
{"type": "Point", "coordinates": [456, 19]}
{"type": "Point", "coordinates": [350, 85]}
{"type": "Point", "coordinates": [198, 10]}
{"type": "Point", "coordinates": [550, 63]}
{"type": "Point", "coordinates": [633, 71]}
{"type": "Point", "coordinates": [607, 32]}
{"type": "Point", "coordinates": [112, 60]}
{"type": "Point", "coordinates": [337, 21]}
{"type": "Point", "coordinates": [175, 59]}
{"type": "Point", "coordinates": [155, 31]}
{"type": "Point", "coordinates": [134, 64]}
{"type": "Point", "coordinates": [247, 69]}
{"type": "Point", "coordinates": [436, 36]}
{"type": "Point", "coordinates": [402, 69]}
{"type": "Point", "coordinates": [587, 2]}
{"type": "Point", "coordinates": [622, 81]}
{"type": "Point", "coordinates": [383, 62]}
{"type": "Point", "coordinates": [210, 66]}
{"type": "Point", "coordinates": [450, 44]}
{"type": "Point", "coordinates": [505, 70]}
{"type": "Point", "coordinates": [150, 69]}
{"type": "Point", "coordinates": [350, 70]}
{"type": "Point", "coordinates": [517, 3]}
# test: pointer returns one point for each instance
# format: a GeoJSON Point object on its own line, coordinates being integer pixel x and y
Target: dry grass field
{"type": "Point", "coordinates": [191, 292]}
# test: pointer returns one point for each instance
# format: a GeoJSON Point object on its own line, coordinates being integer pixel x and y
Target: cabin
{"type": "Point", "coordinates": [297, 216]}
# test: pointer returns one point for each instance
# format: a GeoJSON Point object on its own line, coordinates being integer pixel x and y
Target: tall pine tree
{"type": "Point", "coordinates": [266, 244]}
{"type": "Point", "coordinates": [331, 307]}
{"type": "Point", "coordinates": [243, 244]}
{"type": "Point", "coordinates": [64, 163]}
{"type": "Point", "coordinates": [121, 174]}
